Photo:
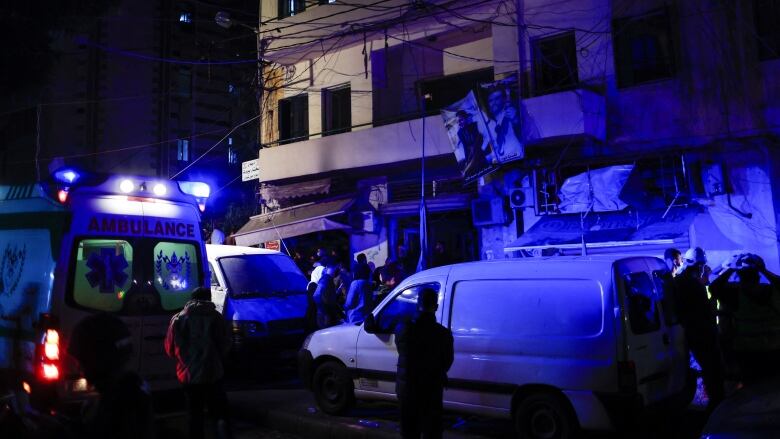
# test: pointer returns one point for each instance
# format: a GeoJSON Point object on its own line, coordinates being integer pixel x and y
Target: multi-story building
{"type": "Point", "coordinates": [146, 88]}
{"type": "Point", "coordinates": [680, 93]}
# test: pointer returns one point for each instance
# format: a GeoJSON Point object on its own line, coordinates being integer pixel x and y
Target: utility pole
{"type": "Point", "coordinates": [521, 29]}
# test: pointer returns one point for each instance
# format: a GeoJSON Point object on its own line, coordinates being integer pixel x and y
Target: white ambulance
{"type": "Point", "coordinates": [79, 245]}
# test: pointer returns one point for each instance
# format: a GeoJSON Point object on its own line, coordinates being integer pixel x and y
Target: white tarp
{"type": "Point", "coordinates": [599, 187]}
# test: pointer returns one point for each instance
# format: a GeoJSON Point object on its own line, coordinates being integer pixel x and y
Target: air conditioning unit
{"type": "Point", "coordinates": [488, 211]}
{"type": "Point", "coordinates": [521, 197]}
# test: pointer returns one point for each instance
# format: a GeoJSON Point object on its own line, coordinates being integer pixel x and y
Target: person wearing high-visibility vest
{"type": "Point", "coordinates": [755, 338]}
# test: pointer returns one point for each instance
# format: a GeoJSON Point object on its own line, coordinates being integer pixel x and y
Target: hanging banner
{"type": "Point", "coordinates": [499, 102]}
{"type": "Point", "coordinates": [485, 129]}
{"type": "Point", "coordinates": [465, 124]}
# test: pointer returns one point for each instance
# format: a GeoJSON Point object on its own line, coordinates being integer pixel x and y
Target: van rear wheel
{"type": "Point", "coordinates": [333, 388]}
{"type": "Point", "coordinates": [544, 415]}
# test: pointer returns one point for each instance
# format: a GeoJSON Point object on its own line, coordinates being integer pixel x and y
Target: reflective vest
{"type": "Point", "coordinates": [757, 325]}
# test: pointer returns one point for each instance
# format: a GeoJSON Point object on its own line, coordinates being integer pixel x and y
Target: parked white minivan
{"type": "Point", "coordinates": [557, 344]}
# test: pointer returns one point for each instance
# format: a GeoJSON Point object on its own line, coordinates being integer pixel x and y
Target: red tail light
{"type": "Point", "coordinates": [49, 354]}
{"type": "Point", "coordinates": [626, 375]}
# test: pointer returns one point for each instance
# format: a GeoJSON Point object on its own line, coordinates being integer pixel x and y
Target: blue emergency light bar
{"type": "Point", "coordinates": [67, 175]}
{"type": "Point", "coordinates": [195, 188]}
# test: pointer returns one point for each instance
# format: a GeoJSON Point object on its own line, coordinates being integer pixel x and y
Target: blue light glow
{"type": "Point", "coordinates": [195, 188]}
{"type": "Point", "coordinates": [66, 175]}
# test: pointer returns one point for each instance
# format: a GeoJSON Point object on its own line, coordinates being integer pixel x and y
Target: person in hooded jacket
{"type": "Point", "coordinates": [198, 340]}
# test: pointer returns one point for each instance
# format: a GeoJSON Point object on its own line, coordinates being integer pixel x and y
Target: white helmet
{"type": "Point", "coordinates": [695, 256]}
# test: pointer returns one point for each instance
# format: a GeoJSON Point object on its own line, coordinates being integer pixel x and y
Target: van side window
{"type": "Point", "coordinates": [176, 273]}
{"type": "Point", "coordinates": [214, 281]}
{"type": "Point", "coordinates": [401, 308]}
{"type": "Point", "coordinates": [664, 285]}
{"type": "Point", "coordinates": [103, 273]}
{"type": "Point", "coordinates": [641, 304]}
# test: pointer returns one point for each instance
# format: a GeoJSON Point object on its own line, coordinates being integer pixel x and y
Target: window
{"type": "Point", "coordinates": [294, 119]}
{"type": "Point", "coordinates": [253, 276]}
{"type": "Point", "coordinates": [103, 274]}
{"type": "Point", "coordinates": [288, 8]}
{"type": "Point", "coordinates": [664, 284]}
{"type": "Point", "coordinates": [183, 150]}
{"type": "Point", "coordinates": [643, 49]}
{"type": "Point", "coordinates": [641, 304]}
{"type": "Point", "coordinates": [767, 15]}
{"type": "Point", "coordinates": [175, 268]}
{"type": "Point", "coordinates": [184, 82]}
{"type": "Point", "coordinates": [402, 308]}
{"type": "Point", "coordinates": [185, 17]}
{"type": "Point", "coordinates": [441, 92]}
{"type": "Point", "coordinates": [232, 156]}
{"type": "Point", "coordinates": [214, 280]}
{"type": "Point", "coordinates": [336, 110]}
{"type": "Point", "coordinates": [555, 63]}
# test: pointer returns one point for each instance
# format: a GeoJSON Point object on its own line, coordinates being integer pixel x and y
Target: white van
{"type": "Point", "coordinates": [556, 344]}
{"type": "Point", "coordinates": [262, 294]}
{"type": "Point", "coordinates": [80, 245]}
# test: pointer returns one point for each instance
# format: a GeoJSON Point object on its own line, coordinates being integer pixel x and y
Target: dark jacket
{"type": "Point", "coordinates": [197, 339]}
{"type": "Point", "coordinates": [359, 300]}
{"type": "Point", "coordinates": [425, 354]}
{"type": "Point", "coordinates": [694, 308]}
{"type": "Point", "coordinates": [123, 411]}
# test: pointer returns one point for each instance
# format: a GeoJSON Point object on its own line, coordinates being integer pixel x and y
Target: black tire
{"type": "Point", "coordinates": [545, 415]}
{"type": "Point", "coordinates": [333, 388]}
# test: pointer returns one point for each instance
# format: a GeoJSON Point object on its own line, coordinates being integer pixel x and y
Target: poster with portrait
{"type": "Point", "coordinates": [485, 128]}
{"type": "Point", "coordinates": [499, 103]}
{"type": "Point", "coordinates": [469, 137]}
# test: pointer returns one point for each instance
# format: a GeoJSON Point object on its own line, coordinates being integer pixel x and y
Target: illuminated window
{"type": "Point", "coordinates": [176, 273]}
{"type": "Point", "coordinates": [185, 17]}
{"type": "Point", "coordinates": [103, 273]}
{"type": "Point", "coordinates": [288, 8]}
{"type": "Point", "coordinates": [183, 150]}
{"type": "Point", "coordinates": [232, 156]}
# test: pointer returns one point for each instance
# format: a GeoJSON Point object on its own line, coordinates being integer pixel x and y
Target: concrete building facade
{"type": "Point", "coordinates": [682, 93]}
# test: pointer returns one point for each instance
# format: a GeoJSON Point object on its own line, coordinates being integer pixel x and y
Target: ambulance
{"type": "Point", "coordinates": [84, 244]}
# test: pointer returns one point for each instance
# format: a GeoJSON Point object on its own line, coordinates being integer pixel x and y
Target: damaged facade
{"type": "Point", "coordinates": [683, 93]}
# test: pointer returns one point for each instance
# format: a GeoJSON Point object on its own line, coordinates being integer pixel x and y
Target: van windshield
{"type": "Point", "coordinates": [133, 275]}
{"type": "Point", "coordinates": [261, 275]}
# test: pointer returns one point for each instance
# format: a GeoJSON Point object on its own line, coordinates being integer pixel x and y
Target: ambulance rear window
{"type": "Point", "coordinates": [104, 273]}
{"type": "Point", "coordinates": [176, 273]}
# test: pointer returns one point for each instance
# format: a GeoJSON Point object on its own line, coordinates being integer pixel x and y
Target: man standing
{"type": "Point", "coordinates": [425, 354]}
{"type": "Point", "coordinates": [697, 316]}
{"type": "Point", "coordinates": [198, 340]}
{"type": "Point", "coordinates": [217, 235]}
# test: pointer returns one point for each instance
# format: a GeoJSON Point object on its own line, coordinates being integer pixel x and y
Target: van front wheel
{"type": "Point", "coordinates": [333, 388]}
{"type": "Point", "coordinates": [544, 415]}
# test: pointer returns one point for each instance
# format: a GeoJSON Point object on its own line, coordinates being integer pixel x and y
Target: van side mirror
{"type": "Point", "coordinates": [369, 324]}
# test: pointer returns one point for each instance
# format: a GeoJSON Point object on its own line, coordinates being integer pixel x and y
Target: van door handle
{"type": "Point", "coordinates": [666, 339]}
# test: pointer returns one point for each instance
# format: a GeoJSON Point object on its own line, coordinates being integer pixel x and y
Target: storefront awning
{"type": "Point", "coordinates": [608, 230]}
{"type": "Point", "coordinates": [273, 192]}
{"type": "Point", "coordinates": [294, 221]}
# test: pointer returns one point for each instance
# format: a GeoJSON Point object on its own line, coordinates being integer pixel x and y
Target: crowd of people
{"type": "Point", "coordinates": [731, 317]}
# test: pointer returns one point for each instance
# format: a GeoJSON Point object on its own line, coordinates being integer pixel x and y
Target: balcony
{"type": "Point", "coordinates": [369, 147]}
{"type": "Point", "coordinates": [578, 112]}
{"type": "Point", "coordinates": [564, 114]}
